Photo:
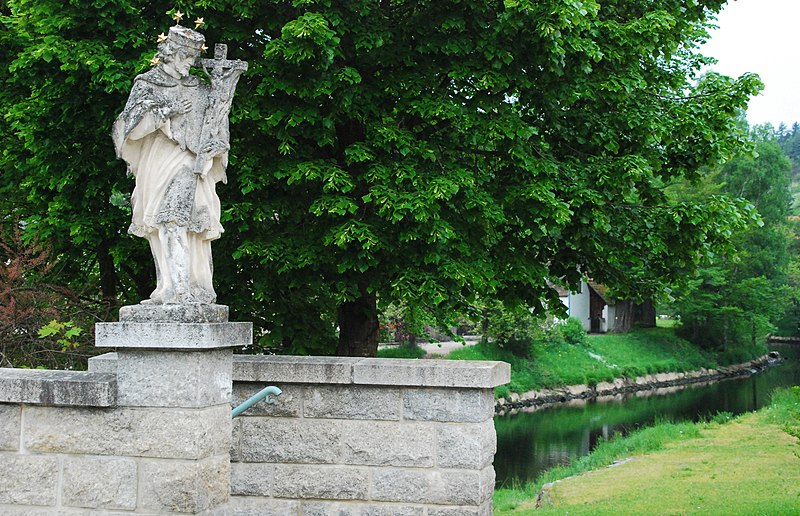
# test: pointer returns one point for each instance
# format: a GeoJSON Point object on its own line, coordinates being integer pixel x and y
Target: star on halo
{"type": "Point", "coordinates": [204, 48]}
{"type": "Point", "coordinates": [178, 16]}
{"type": "Point", "coordinates": [155, 61]}
{"type": "Point", "coordinates": [199, 22]}
{"type": "Point", "coordinates": [162, 37]}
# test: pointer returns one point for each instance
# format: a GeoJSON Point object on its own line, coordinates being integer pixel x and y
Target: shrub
{"type": "Point", "coordinates": [514, 329]}
{"type": "Point", "coordinates": [573, 332]}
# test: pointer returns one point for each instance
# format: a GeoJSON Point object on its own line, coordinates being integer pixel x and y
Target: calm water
{"type": "Point", "coordinates": [530, 442]}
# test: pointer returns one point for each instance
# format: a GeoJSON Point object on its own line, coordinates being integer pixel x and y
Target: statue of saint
{"type": "Point", "coordinates": [173, 135]}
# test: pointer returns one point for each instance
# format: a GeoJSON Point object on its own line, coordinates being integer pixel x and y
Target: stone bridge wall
{"type": "Point", "coordinates": [348, 436]}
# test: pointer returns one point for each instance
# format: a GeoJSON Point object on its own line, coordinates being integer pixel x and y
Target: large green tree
{"type": "Point", "coordinates": [735, 302]}
{"type": "Point", "coordinates": [424, 152]}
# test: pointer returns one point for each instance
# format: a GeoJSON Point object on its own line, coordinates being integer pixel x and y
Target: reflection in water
{"type": "Point", "coordinates": [535, 440]}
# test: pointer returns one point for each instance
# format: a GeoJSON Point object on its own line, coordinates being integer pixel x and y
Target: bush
{"type": "Point", "coordinates": [514, 329]}
{"type": "Point", "coordinates": [573, 332]}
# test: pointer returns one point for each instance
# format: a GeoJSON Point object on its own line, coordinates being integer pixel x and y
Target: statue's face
{"type": "Point", "coordinates": [181, 62]}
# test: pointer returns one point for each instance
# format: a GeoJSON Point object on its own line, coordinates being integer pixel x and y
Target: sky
{"type": "Point", "coordinates": [760, 36]}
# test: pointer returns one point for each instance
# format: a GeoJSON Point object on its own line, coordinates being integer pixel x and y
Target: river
{"type": "Point", "coordinates": [531, 442]}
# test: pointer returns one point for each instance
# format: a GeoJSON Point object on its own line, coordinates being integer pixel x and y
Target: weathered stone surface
{"type": "Point", "coordinates": [274, 369]}
{"type": "Point", "coordinates": [168, 433]}
{"type": "Point", "coordinates": [236, 435]}
{"type": "Point", "coordinates": [326, 482]}
{"type": "Point", "coordinates": [252, 506]}
{"type": "Point", "coordinates": [10, 417]}
{"type": "Point", "coordinates": [186, 313]}
{"type": "Point", "coordinates": [487, 480]}
{"type": "Point", "coordinates": [277, 369]}
{"type": "Point", "coordinates": [484, 510]}
{"type": "Point", "coordinates": [185, 486]}
{"type": "Point", "coordinates": [431, 373]}
{"type": "Point", "coordinates": [69, 388]}
{"type": "Point", "coordinates": [251, 479]}
{"type": "Point", "coordinates": [388, 444]}
{"type": "Point", "coordinates": [357, 402]}
{"type": "Point", "coordinates": [468, 446]}
{"type": "Point", "coordinates": [156, 378]}
{"type": "Point", "coordinates": [99, 483]}
{"type": "Point", "coordinates": [28, 479]}
{"type": "Point", "coordinates": [105, 363]}
{"type": "Point", "coordinates": [360, 509]}
{"type": "Point", "coordinates": [173, 335]}
{"type": "Point", "coordinates": [427, 486]}
{"type": "Point", "coordinates": [456, 405]}
{"type": "Point", "coordinates": [285, 405]}
{"type": "Point", "coordinates": [289, 440]}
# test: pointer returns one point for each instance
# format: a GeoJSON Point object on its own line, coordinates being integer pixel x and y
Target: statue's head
{"type": "Point", "coordinates": [180, 50]}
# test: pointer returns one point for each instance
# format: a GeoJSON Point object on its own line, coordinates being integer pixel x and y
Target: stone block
{"type": "Point", "coordinates": [236, 434]}
{"type": "Point", "coordinates": [10, 417]}
{"type": "Point", "coordinates": [484, 510]}
{"type": "Point", "coordinates": [277, 369]}
{"type": "Point", "coordinates": [444, 487]}
{"type": "Point", "coordinates": [388, 444]}
{"type": "Point", "coordinates": [132, 432]}
{"type": "Point", "coordinates": [289, 440]}
{"type": "Point", "coordinates": [252, 506]}
{"type": "Point", "coordinates": [99, 482]}
{"type": "Point", "coordinates": [325, 482]}
{"type": "Point", "coordinates": [285, 405]}
{"type": "Point", "coordinates": [360, 509]}
{"type": "Point", "coordinates": [156, 378]}
{"type": "Point", "coordinates": [68, 388]}
{"type": "Point", "coordinates": [357, 402]}
{"type": "Point", "coordinates": [431, 373]}
{"type": "Point", "coordinates": [188, 313]}
{"type": "Point", "coordinates": [162, 335]}
{"type": "Point", "coordinates": [105, 363]}
{"type": "Point", "coordinates": [28, 479]}
{"type": "Point", "coordinates": [448, 405]}
{"type": "Point", "coordinates": [184, 486]}
{"type": "Point", "coordinates": [252, 479]}
{"type": "Point", "coordinates": [466, 445]}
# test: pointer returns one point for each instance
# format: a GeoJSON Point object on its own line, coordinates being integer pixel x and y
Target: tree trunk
{"type": "Point", "coordinates": [646, 314]}
{"type": "Point", "coordinates": [108, 276]}
{"type": "Point", "coordinates": [358, 326]}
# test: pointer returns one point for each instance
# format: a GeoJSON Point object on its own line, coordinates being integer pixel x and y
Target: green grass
{"type": "Point", "coordinates": [682, 468]}
{"type": "Point", "coordinates": [603, 358]}
{"type": "Point", "coordinates": [402, 351]}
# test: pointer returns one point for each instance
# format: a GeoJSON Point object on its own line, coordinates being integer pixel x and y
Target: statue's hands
{"type": "Point", "coordinates": [180, 107]}
{"type": "Point", "coordinates": [216, 147]}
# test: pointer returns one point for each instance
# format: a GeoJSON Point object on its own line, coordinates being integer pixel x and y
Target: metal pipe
{"type": "Point", "coordinates": [255, 398]}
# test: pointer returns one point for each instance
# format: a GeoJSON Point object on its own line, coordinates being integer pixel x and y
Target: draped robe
{"type": "Point", "coordinates": [175, 191]}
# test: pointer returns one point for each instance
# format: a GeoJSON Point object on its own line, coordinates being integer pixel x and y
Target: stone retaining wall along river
{"type": "Point", "coordinates": [625, 385]}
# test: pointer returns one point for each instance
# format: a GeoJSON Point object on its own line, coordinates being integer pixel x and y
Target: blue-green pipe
{"type": "Point", "coordinates": [255, 398]}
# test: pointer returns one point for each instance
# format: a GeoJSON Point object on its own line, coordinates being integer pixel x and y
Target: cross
{"type": "Point", "coordinates": [220, 61]}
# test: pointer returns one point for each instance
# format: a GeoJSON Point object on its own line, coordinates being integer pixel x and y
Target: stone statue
{"type": "Point", "coordinates": [173, 135]}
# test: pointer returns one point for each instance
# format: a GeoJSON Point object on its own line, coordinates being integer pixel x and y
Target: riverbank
{"type": "Point", "coordinates": [659, 383]}
{"type": "Point", "coordinates": [557, 370]}
{"type": "Point", "coordinates": [747, 464]}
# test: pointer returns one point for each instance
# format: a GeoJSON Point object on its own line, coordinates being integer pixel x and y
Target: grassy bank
{"type": "Point", "coordinates": [746, 465]}
{"type": "Point", "coordinates": [601, 358]}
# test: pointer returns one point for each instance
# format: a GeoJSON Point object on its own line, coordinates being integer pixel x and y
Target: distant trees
{"type": "Point", "coordinates": [736, 301]}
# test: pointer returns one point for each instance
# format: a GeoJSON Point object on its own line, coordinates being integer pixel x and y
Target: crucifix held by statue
{"type": "Point", "coordinates": [173, 135]}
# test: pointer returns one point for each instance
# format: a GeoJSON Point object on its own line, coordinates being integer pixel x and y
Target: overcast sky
{"type": "Point", "coordinates": [761, 36]}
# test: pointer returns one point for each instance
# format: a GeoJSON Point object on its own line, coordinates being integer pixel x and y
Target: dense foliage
{"type": "Point", "coordinates": [734, 303]}
{"type": "Point", "coordinates": [423, 153]}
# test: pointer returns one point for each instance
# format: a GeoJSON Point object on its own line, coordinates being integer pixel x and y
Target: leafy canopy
{"type": "Point", "coordinates": [425, 152]}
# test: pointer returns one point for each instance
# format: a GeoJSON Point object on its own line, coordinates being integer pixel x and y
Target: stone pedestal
{"type": "Point", "coordinates": [174, 362]}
